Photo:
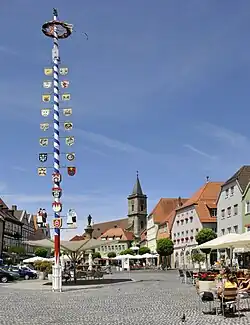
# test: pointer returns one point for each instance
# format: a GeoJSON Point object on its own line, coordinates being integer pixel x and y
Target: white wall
{"type": "Point", "coordinates": [190, 226]}
{"type": "Point", "coordinates": [229, 222]}
{"type": "Point", "coordinates": [152, 230]}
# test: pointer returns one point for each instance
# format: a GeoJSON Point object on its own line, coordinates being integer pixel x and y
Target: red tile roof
{"type": "Point", "coordinates": [162, 210]}
{"type": "Point", "coordinates": [101, 228]}
{"type": "Point", "coordinates": [204, 199]}
{"type": "Point", "coordinates": [118, 232]}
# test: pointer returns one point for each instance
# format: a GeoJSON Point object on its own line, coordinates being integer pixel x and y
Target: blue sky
{"type": "Point", "coordinates": [160, 86]}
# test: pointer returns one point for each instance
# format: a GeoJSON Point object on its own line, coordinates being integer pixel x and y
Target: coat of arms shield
{"type": "Point", "coordinates": [65, 84]}
{"type": "Point", "coordinates": [45, 112]}
{"type": "Point", "coordinates": [46, 98]}
{"type": "Point", "coordinates": [44, 142]}
{"type": "Point", "coordinates": [64, 71]}
{"type": "Point", "coordinates": [65, 97]}
{"type": "Point", "coordinates": [48, 71]}
{"type": "Point", "coordinates": [67, 111]}
{"type": "Point", "coordinates": [47, 84]}
{"type": "Point", "coordinates": [43, 157]}
{"type": "Point", "coordinates": [70, 156]}
{"type": "Point", "coordinates": [70, 141]}
{"type": "Point", "coordinates": [42, 171]}
{"type": "Point", "coordinates": [71, 171]}
{"type": "Point", "coordinates": [44, 126]}
{"type": "Point", "coordinates": [68, 126]}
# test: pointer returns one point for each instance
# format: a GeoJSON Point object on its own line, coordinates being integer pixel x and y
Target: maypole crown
{"type": "Point", "coordinates": [55, 13]}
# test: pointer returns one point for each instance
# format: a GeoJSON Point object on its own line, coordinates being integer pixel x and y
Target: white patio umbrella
{"type": "Point", "coordinates": [242, 241]}
{"type": "Point", "coordinates": [122, 257]}
{"type": "Point", "coordinates": [222, 242]}
{"type": "Point", "coordinates": [147, 255]}
{"type": "Point", "coordinates": [35, 259]}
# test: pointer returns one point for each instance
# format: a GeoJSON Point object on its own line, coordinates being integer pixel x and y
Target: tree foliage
{"type": "Point", "coordinates": [19, 250]}
{"type": "Point", "coordinates": [144, 250]}
{"type": "Point", "coordinates": [198, 258]}
{"type": "Point", "coordinates": [128, 251]}
{"type": "Point", "coordinates": [203, 236]}
{"type": "Point", "coordinates": [41, 252]}
{"type": "Point", "coordinates": [111, 254]}
{"type": "Point", "coordinates": [165, 247]}
{"type": "Point", "coordinates": [96, 255]}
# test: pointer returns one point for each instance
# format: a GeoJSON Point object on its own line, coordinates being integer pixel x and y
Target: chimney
{"type": "Point", "coordinates": [207, 179]}
{"type": "Point", "coordinates": [179, 202]}
{"type": "Point", "coordinates": [14, 207]}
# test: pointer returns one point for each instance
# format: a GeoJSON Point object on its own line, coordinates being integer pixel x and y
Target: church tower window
{"type": "Point", "coordinates": [132, 207]}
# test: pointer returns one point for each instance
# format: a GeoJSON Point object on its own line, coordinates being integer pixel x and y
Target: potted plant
{"type": "Point", "coordinates": [205, 281]}
{"type": "Point", "coordinates": [43, 267]}
{"type": "Point", "coordinates": [49, 272]}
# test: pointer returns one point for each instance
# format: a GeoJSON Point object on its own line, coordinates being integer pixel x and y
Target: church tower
{"type": "Point", "coordinates": [137, 209]}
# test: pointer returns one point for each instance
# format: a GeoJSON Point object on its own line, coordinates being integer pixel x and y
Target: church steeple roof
{"type": "Point", "coordinates": [137, 190]}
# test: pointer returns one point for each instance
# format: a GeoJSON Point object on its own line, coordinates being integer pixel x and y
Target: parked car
{"type": "Point", "coordinates": [6, 276]}
{"type": "Point", "coordinates": [24, 272]}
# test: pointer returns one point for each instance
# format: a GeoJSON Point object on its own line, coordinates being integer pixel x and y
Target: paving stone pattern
{"type": "Point", "coordinates": [156, 298]}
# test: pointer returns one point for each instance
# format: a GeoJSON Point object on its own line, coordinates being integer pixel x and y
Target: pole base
{"type": "Point", "coordinates": [56, 278]}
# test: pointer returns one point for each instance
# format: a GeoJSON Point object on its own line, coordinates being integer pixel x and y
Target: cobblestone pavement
{"type": "Point", "coordinates": [156, 298]}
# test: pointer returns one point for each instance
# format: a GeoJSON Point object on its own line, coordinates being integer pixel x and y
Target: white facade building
{"type": "Point", "coordinates": [229, 205]}
{"type": "Point", "coordinates": [197, 213]}
{"type": "Point", "coordinates": [229, 211]}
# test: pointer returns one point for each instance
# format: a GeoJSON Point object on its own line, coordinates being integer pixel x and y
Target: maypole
{"type": "Point", "coordinates": [57, 30]}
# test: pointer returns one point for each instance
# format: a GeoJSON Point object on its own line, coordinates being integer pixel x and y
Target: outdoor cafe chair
{"type": "Point", "coordinates": [181, 276]}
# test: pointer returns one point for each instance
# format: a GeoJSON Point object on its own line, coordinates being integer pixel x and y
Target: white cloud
{"type": "Point", "coordinates": [229, 137]}
{"type": "Point", "coordinates": [199, 152]}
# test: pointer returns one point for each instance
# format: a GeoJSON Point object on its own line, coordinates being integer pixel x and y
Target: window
{"type": "Point", "coordinates": [247, 206]}
{"type": "Point", "coordinates": [142, 225]}
{"type": "Point", "coordinates": [236, 229]}
{"type": "Point", "coordinates": [178, 222]}
{"type": "Point", "coordinates": [229, 230]}
{"type": "Point", "coordinates": [182, 233]}
{"type": "Point", "coordinates": [232, 190]}
{"type": "Point", "coordinates": [174, 235]}
{"type": "Point", "coordinates": [223, 232]}
{"type": "Point", "coordinates": [235, 209]}
{"type": "Point", "coordinates": [178, 234]}
{"type": "Point", "coordinates": [192, 230]}
{"type": "Point", "coordinates": [227, 193]}
{"type": "Point", "coordinates": [197, 229]}
{"type": "Point", "coordinates": [182, 222]}
{"type": "Point", "coordinates": [142, 207]}
{"type": "Point", "coordinates": [186, 220]}
{"type": "Point", "coordinates": [186, 232]}
{"type": "Point", "coordinates": [213, 212]}
{"type": "Point", "coordinates": [229, 211]}
{"type": "Point", "coordinates": [132, 207]}
{"type": "Point", "coordinates": [223, 213]}
{"type": "Point", "coordinates": [191, 219]}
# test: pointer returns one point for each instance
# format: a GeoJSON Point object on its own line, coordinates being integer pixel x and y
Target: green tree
{"type": "Point", "coordinates": [111, 254]}
{"type": "Point", "coordinates": [19, 250]}
{"type": "Point", "coordinates": [144, 250]}
{"type": "Point", "coordinates": [197, 257]}
{"type": "Point", "coordinates": [203, 236]}
{"type": "Point", "coordinates": [165, 248]}
{"type": "Point", "coordinates": [96, 255]}
{"type": "Point", "coordinates": [128, 251]}
{"type": "Point", "coordinates": [41, 252]}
